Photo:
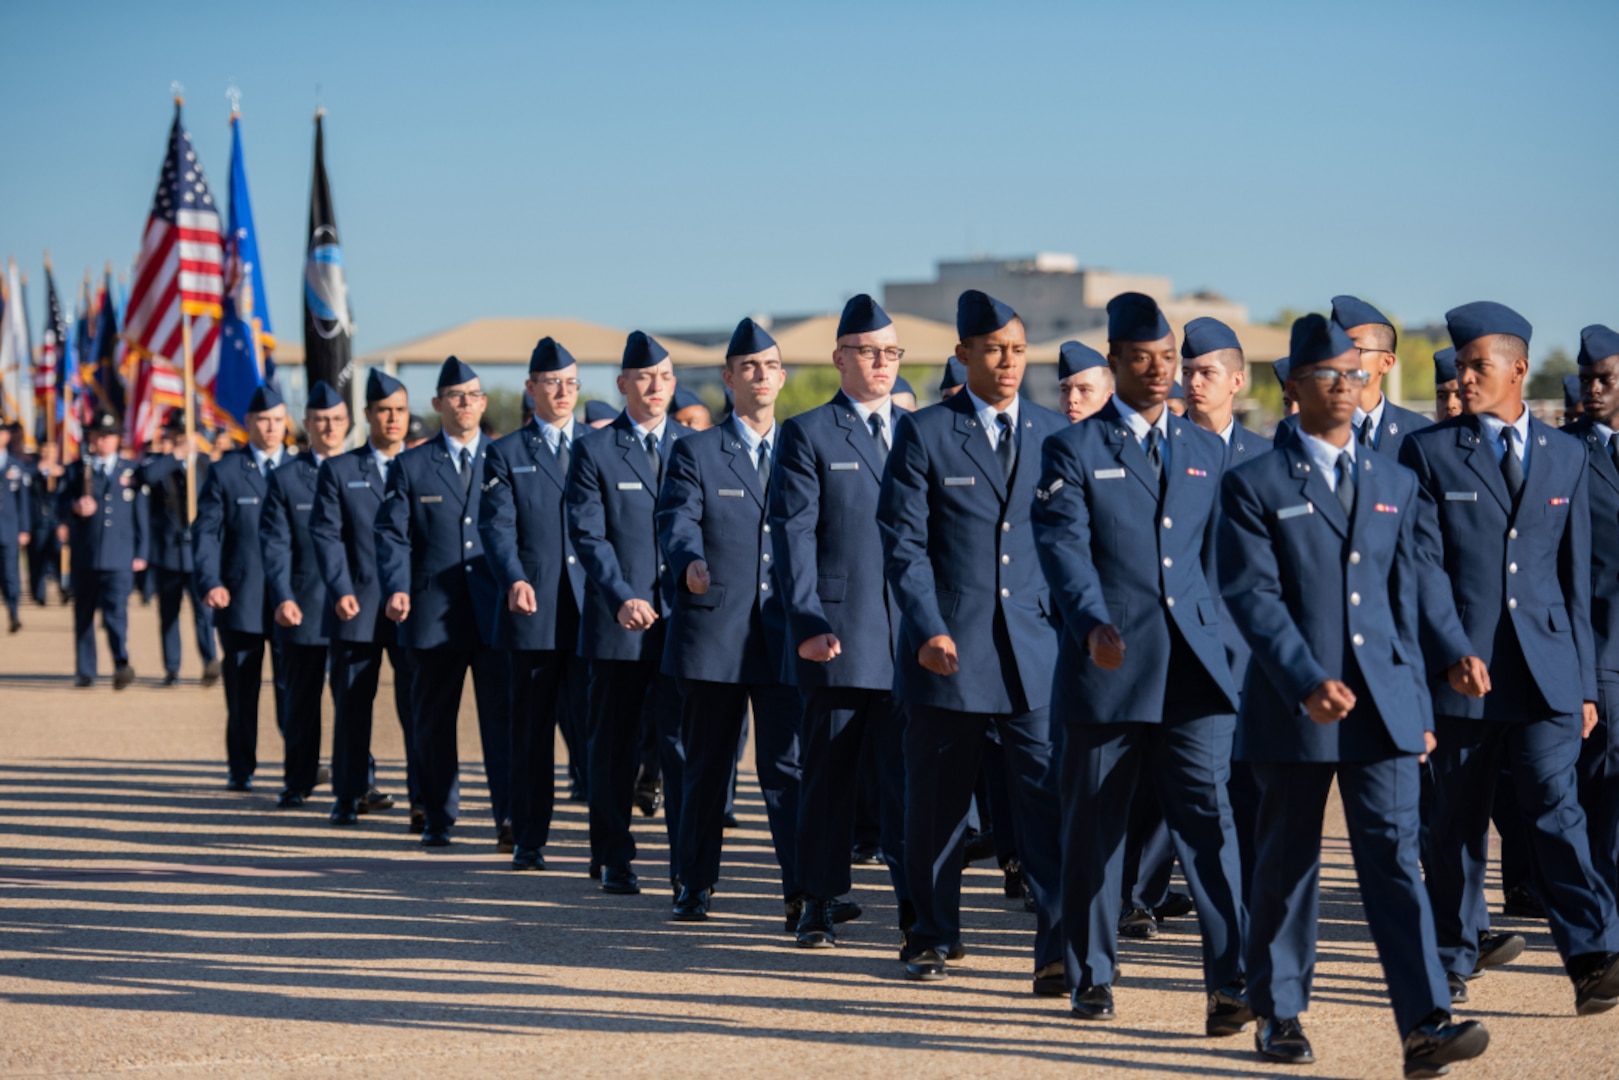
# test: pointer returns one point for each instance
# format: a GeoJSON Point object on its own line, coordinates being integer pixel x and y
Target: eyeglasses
{"type": "Point", "coordinates": [463, 397]}
{"type": "Point", "coordinates": [1364, 351]}
{"type": "Point", "coordinates": [1327, 378]}
{"type": "Point", "coordinates": [553, 385]}
{"type": "Point", "coordinates": [869, 353]}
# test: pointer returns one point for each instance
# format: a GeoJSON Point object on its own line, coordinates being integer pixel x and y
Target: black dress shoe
{"type": "Point", "coordinates": [925, 965]}
{"type": "Point", "coordinates": [732, 821]}
{"type": "Point", "coordinates": [418, 821]}
{"type": "Point", "coordinates": [210, 673]}
{"type": "Point", "coordinates": [815, 926]}
{"type": "Point", "coordinates": [16, 625]}
{"type": "Point", "coordinates": [528, 858]}
{"type": "Point", "coordinates": [505, 842]}
{"type": "Point", "coordinates": [577, 794]}
{"type": "Point", "coordinates": [648, 797]}
{"type": "Point", "coordinates": [978, 847]}
{"type": "Point", "coordinates": [345, 813]}
{"type": "Point", "coordinates": [842, 911]}
{"type": "Point", "coordinates": [1520, 902]}
{"type": "Point", "coordinates": [82, 681]}
{"type": "Point", "coordinates": [291, 799]}
{"type": "Point", "coordinates": [1597, 990]}
{"type": "Point", "coordinates": [618, 881]}
{"type": "Point", "coordinates": [432, 837]}
{"type": "Point", "coordinates": [865, 855]}
{"type": "Point", "coordinates": [1177, 905]}
{"type": "Point", "coordinates": [1458, 988]}
{"type": "Point", "coordinates": [122, 676]}
{"type": "Point", "coordinates": [1138, 923]}
{"type": "Point", "coordinates": [323, 775]}
{"type": "Point", "coordinates": [1435, 1044]}
{"type": "Point", "coordinates": [1012, 879]}
{"type": "Point", "coordinates": [239, 783]}
{"type": "Point", "coordinates": [1497, 949]}
{"type": "Point", "coordinates": [795, 912]}
{"type": "Point", "coordinates": [376, 801]}
{"type": "Point", "coordinates": [1284, 1041]}
{"type": "Point", "coordinates": [1050, 982]}
{"type": "Point", "coordinates": [1092, 1003]}
{"type": "Point", "coordinates": [691, 905]}
{"type": "Point", "coordinates": [594, 871]}
{"type": "Point", "coordinates": [1228, 1013]}
{"type": "Point", "coordinates": [171, 678]}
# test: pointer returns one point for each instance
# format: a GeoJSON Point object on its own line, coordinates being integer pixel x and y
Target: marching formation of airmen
{"type": "Point", "coordinates": [1127, 634]}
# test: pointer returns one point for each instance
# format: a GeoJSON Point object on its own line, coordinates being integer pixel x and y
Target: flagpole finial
{"type": "Point", "coordinates": [47, 260]}
{"type": "Point", "coordinates": [179, 93]}
{"type": "Point", "coordinates": [233, 94]}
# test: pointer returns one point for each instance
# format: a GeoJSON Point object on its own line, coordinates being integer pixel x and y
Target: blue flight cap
{"type": "Point", "coordinates": [862, 315]}
{"type": "Point", "coordinates": [1597, 342]}
{"type": "Point", "coordinates": [978, 313]}
{"type": "Point", "coordinates": [1350, 312]}
{"type": "Point", "coordinates": [901, 386]}
{"type": "Point", "coordinates": [641, 350]}
{"type": "Point", "coordinates": [955, 374]}
{"type": "Point", "coordinates": [322, 396]}
{"type": "Point", "coordinates": [685, 399]}
{"type": "Point", "coordinates": [748, 339]}
{"type": "Point", "coordinates": [549, 355]}
{"type": "Point", "coordinates": [1076, 356]}
{"type": "Point", "coordinates": [1573, 394]}
{"type": "Point", "coordinates": [1205, 335]}
{"type": "Point", "coordinates": [1134, 316]}
{"type": "Point", "coordinates": [105, 423]}
{"type": "Point", "coordinates": [1316, 338]}
{"type": "Point", "coordinates": [1279, 369]}
{"type": "Point", "coordinates": [1482, 318]}
{"type": "Point", "coordinates": [265, 398]}
{"type": "Point", "coordinates": [597, 411]}
{"type": "Point", "coordinates": [454, 373]}
{"type": "Point", "coordinates": [379, 384]}
{"type": "Point", "coordinates": [1444, 366]}
{"type": "Point", "coordinates": [528, 402]}
{"type": "Point", "coordinates": [1176, 393]}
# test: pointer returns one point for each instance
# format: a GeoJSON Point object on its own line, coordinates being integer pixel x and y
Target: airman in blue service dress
{"type": "Point", "coordinates": [611, 499]}
{"type": "Point", "coordinates": [428, 548]}
{"type": "Point", "coordinates": [1124, 523]}
{"type": "Point", "coordinates": [349, 490]}
{"type": "Point", "coordinates": [1599, 754]}
{"type": "Point", "coordinates": [829, 572]}
{"type": "Point", "coordinates": [228, 555]}
{"type": "Point", "coordinates": [727, 631]}
{"type": "Point", "coordinates": [1385, 425]}
{"type": "Point", "coordinates": [525, 534]}
{"type": "Point", "coordinates": [292, 576]}
{"type": "Point", "coordinates": [959, 555]}
{"type": "Point", "coordinates": [16, 523]}
{"type": "Point", "coordinates": [173, 565]}
{"type": "Point", "coordinates": [1513, 499]}
{"type": "Point", "coordinates": [107, 544]}
{"type": "Point", "coordinates": [1322, 568]}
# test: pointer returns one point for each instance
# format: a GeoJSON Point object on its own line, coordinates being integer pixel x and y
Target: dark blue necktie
{"type": "Point", "coordinates": [1346, 484]}
{"type": "Point", "coordinates": [1511, 467]}
{"type": "Point", "coordinates": [1006, 446]}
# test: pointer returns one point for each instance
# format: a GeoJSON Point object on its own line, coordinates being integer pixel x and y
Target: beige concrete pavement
{"type": "Point", "coordinates": [152, 923]}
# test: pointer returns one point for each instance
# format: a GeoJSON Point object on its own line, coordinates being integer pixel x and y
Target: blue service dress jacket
{"type": "Point", "coordinates": [525, 533]}
{"type": "Point", "coordinates": [828, 550]}
{"type": "Point", "coordinates": [1114, 554]}
{"type": "Point", "coordinates": [959, 555]}
{"type": "Point", "coordinates": [291, 570]}
{"type": "Point", "coordinates": [349, 491]}
{"type": "Point", "coordinates": [428, 546]}
{"type": "Point", "coordinates": [225, 541]}
{"type": "Point", "coordinates": [1318, 596]}
{"type": "Point", "coordinates": [611, 500]}
{"type": "Point", "coordinates": [1604, 497]}
{"type": "Point", "coordinates": [118, 533]}
{"type": "Point", "coordinates": [165, 483]}
{"type": "Point", "coordinates": [16, 500]}
{"type": "Point", "coordinates": [1523, 589]}
{"type": "Point", "coordinates": [1243, 447]}
{"type": "Point", "coordinates": [712, 507]}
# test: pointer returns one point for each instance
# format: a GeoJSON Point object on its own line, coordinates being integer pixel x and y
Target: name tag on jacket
{"type": "Point", "coordinates": [1295, 511]}
{"type": "Point", "coordinates": [960, 481]}
{"type": "Point", "coordinates": [732, 493]}
{"type": "Point", "coordinates": [524, 468]}
{"type": "Point", "coordinates": [246, 500]}
{"type": "Point", "coordinates": [432, 498]}
{"type": "Point", "coordinates": [844, 466]}
{"type": "Point", "coordinates": [631, 485]}
{"type": "Point", "coordinates": [303, 506]}
{"type": "Point", "coordinates": [359, 483]}
{"type": "Point", "coordinates": [1107, 474]}
{"type": "Point", "coordinates": [1461, 496]}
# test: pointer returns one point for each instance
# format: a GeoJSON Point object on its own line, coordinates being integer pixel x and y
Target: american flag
{"type": "Point", "coordinates": [179, 271]}
{"type": "Point", "coordinates": [50, 350]}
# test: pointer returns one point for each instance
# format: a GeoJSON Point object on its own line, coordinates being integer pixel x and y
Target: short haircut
{"type": "Point", "coordinates": [1509, 347]}
{"type": "Point", "coordinates": [1384, 337]}
{"type": "Point", "coordinates": [1232, 359]}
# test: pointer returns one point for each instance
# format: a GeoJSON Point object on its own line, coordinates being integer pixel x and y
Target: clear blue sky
{"type": "Point", "coordinates": [680, 165]}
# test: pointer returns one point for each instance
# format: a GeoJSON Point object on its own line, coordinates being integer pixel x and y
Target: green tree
{"type": "Point", "coordinates": [1546, 384]}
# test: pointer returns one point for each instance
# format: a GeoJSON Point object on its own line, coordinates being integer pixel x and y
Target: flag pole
{"type": "Point", "coordinates": [56, 369]}
{"type": "Point", "coordinates": [191, 414]}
